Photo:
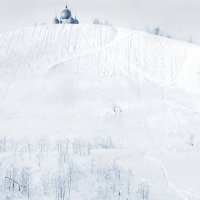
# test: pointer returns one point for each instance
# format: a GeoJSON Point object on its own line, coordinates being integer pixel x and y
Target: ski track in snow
{"type": "Point", "coordinates": [167, 182]}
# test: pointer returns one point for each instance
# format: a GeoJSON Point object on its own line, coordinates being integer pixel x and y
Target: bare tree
{"type": "Point", "coordinates": [143, 191]}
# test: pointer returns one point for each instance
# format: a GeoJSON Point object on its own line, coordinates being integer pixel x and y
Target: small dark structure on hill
{"type": "Point", "coordinates": [65, 18]}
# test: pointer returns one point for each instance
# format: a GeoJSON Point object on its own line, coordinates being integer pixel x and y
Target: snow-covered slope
{"type": "Point", "coordinates": [89, 81]}
{"type": "Point", "coordinates": [101, 50]}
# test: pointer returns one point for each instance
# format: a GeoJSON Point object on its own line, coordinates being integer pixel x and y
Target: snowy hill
{"type": "Point", "coordinates": [91, 49]}
{"type": "Point", "coordinates": [90, 81]}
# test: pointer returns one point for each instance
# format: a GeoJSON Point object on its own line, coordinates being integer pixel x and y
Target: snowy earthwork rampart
{"type": "Point", "coordinates": [101, 50]}
{"type": "Point", "coordinates": [109, 94]}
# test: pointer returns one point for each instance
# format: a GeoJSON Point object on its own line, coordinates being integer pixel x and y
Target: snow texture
{"type": "Point", "coordinates": [97, 112]}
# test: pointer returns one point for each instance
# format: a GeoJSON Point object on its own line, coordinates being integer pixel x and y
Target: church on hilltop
{"type": "Point", "coordinates": [65, 18]}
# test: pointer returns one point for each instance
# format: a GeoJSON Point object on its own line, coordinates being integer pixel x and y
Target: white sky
{"type": "Point", "coordinates": [180, 18]}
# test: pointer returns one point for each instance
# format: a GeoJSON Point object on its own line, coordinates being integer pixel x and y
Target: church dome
{"type": "Point", "coordinates": [66, 13]}
{"type": "Point", "coordinates": [71, 20]}
{"type": "Point", "coordinates": [56, 21]}
{"type": "Point", "coordinates": [76, 21]}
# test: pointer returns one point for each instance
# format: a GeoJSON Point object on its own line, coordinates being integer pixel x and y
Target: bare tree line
{"type": "Point", "coordinates": [29, 160]}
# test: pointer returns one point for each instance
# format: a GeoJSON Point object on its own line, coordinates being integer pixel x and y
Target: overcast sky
{"type": "Point", "coordinates": [180, 18]}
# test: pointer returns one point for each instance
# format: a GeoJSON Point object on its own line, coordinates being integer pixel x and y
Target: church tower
{"type": "Point", "coordinates": [66, 17]}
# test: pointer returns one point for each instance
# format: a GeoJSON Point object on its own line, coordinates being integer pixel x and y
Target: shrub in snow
{"type": "Point", "coordinates": [157, 31]}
